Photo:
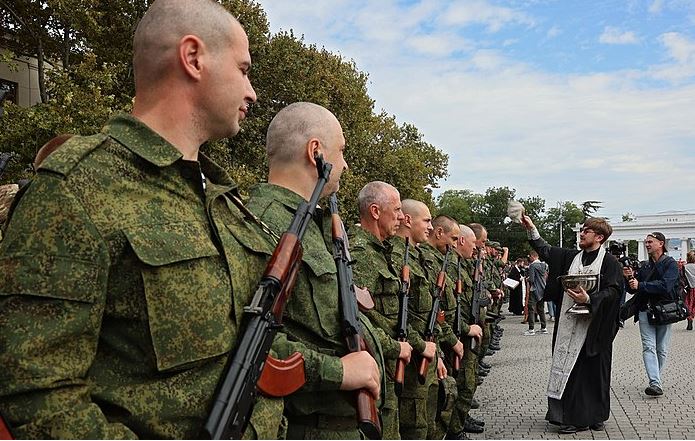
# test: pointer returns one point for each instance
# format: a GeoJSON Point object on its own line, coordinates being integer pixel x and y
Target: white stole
{"type": "Point", "coordinates": [572, 330]}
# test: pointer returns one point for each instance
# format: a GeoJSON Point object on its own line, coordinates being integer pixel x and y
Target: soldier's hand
{"type": "Point", "coordinates": [458, 348]}
{"type": "Point", "coordinates": [476, 331]}
{"type": "Point", "coordinates": [360, 371]}
{"type": "Point", "coordinates": [430, 349]}
{"type": "Point", "coordinates": [406, 351]}
{"type": "Point", "coordinates": [628, 273]}
{"type": "Point", "coordinates": [441, 369]}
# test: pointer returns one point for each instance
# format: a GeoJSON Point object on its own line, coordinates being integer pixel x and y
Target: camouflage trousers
{"type": "Point", "coordinates": [389, 412]}
{"type": "Point", "coordinates": [441, 401]}
{"type": "Point", "coordinates": [413, 408]}
{"type": "Point", "coordinates": [466, 389]}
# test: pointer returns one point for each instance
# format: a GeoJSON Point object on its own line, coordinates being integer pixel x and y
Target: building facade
{"type": "Point", "coordinates": [677, 226]}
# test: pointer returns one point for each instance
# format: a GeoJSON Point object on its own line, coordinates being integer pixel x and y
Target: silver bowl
{"type": "Point", "coordinates": [573, 281]}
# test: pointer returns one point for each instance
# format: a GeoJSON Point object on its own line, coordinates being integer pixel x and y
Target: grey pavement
{"type": "Point", "coordinates": [513, 401]}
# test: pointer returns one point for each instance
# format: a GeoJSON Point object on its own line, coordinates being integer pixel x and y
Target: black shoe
{"type": "Point", "coordinates": [654, 391]}
{"type": "Point", "coordinates": [598, 426]}
{"type": "Point", "coordinates": [476, 421]}
{"type": "Point", "coordinates": [478, 381]}
{"type": "Point", "coordinates": [459, 435]}
{"type": "Point", "coordinates": [482, 369]}
{"type": "Point", "coordinates": [568, 429]}
{"type": "Point", "coordinates": [495, 347]}
{"type": "Point", "coordinates": [475, 404]}
{"type": "Point", "coordinates": [489, 353]}
{"type": "Point", "coordinates": [484, 365]}
{"type": "Point", "coordinates": [690, 326]}
{"type": "Point", "coordinates": [472, 428]}
{"type": "Point", "coordinates": [483, 373]}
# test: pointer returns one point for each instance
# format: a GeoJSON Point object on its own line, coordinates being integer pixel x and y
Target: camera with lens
{"type": "Point", "coordinates": [630, 261]}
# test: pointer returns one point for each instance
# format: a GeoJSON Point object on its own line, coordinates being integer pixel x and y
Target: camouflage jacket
{"type": "Point", "coordinates": [312, 316]}
{"type": "Point", "coordinates": [122, 282]}
{"type": "Point", "coordinates": [373, 269]}
{"type": "Point", "coordinates": [465, 297]}
{"type": "Point", "coordinates": [431, 260]}
{"type": "Point", "coordinates": [419, 298]}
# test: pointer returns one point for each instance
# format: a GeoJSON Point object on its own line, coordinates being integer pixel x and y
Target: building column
{"type": "Point", "coordinates": [684, 249]}
{"type": "Point", "coordinates": [641, 250]}
{"type": "Point", "coordinates": [578, 240]}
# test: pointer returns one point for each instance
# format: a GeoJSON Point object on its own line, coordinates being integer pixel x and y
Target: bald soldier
{"type": "Point", "coordinates": [323, 407]}
{"type": "Point", "coordinates": [445, 233]}
{"type": "Point", "coordinates": [122, 278]}
{"type": "Point", "coordinates": [416, 226]}
{"type": "Point", "coordinates": [380, 215]}
{"type": "Point", "coordinates": [460, 421]}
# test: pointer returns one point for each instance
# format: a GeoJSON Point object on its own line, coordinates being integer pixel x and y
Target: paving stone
{"type": "Point", "coordinates": [513, 401]}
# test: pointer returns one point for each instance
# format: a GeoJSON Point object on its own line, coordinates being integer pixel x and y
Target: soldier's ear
{"type": "Point", "coordinates": [311, 147]}
{"type": "Point", "coordinates": [374, 211]}
{"type": "Point", "coordinates": [407, 220]}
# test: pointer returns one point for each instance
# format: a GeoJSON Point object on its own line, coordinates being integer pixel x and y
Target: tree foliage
{"type": "Point", "coordinates": [87, 45]}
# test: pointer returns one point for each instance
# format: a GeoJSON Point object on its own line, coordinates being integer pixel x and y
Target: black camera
{"type": "Point", "coordinates": [630, 261]}
{"type": "Point", "coordinates": [618, 249]}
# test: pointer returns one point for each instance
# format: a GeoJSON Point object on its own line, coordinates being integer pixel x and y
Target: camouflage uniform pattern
{"type": "Point", "coordinates": [373, 269]}
{"type": "Point", "coordinates": [123, 282]}
{"type": "Point", "coordinates": [312, 325]}
{"type": "Point", "coordinates": [413, 409]}
{"type": "Point", "coordinates": [466, 380]}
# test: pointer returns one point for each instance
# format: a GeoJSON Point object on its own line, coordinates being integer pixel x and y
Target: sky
{"type": "Point", "coordinates": [566, 100]}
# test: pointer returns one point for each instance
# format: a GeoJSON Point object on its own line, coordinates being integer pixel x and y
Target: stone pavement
{"type": "Point", "coordinates": [513, 401]}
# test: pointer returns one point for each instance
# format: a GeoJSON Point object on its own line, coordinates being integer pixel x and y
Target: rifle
{"type": "Point", "coordinates": [367, 415]}
{"type": "Point", "coordinates": [401, 327]}
{"type": "Point", "coordinates": [456, 360]}
{"type": "Point", "coordinates": [477, 301]}
{"type": "Point", "coordinates": [236, 392]}
{"type": "Point", "coordinates": [434, 312]}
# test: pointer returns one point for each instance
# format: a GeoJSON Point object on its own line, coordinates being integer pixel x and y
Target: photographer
{"type": "Point", "coordinates": [654, 283]}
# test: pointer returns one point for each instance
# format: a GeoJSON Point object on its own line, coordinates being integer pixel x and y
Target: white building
{"type": "Point", "coordinates": [20, 84]}
{"type": "Point", "coordinates": [677, 226]}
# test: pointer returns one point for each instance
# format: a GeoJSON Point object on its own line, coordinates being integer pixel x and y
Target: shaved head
{"type": "Point", "coordinates": [467, 233]}
{"type": "Point", "coordinates": [414, 208]}
{"type": "Point", "coordinates": [445, 222]}
{"type": "Point", "coordinates": [294, 126]}
{"type": "Point", "coordinates": [479, 230]}
{"type": "Point", "coordinates": [166, 22]}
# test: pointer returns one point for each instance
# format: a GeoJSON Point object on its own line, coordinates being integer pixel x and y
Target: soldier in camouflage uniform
{"type": "Point", "coordinates": [460, 421]}
{"type": "Point", "coordinates": [380, 215]}
{"type": "Point", "coordinates": [125, 266]}
{"type": "Point", "coordinates": [445, 232]}
{"type": "Point", "coordinates": [323, 407]}
{"type": "Point", "coordinates": [416, 226]}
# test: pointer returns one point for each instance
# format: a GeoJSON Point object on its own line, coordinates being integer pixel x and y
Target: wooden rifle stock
{"type": "Point", "coordinates": [401, 329]}
{"type": "Point", "coordinates": [477, 292]}
{"type": "Point", "coordinates": [281, 378]}
{"type": "Point", "coordinates": [455, 359]}
{"type": "Point", "coordinates": [434, 315]}
{"type": "Point", "coordinates": [236, 391]}
{"type": "Point", "coordinates": [365, 404]}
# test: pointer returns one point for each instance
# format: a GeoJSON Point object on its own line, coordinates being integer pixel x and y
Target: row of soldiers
{"type": "Point", "coordinates": [129, 261]}
{"type": "Point", "coordinates": [378, 247]}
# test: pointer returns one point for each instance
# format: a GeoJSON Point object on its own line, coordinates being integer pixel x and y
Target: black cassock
{"type": "Point", "coordinates": [516, 305]}
{"type": "Point", "coordinates": [586, 399]}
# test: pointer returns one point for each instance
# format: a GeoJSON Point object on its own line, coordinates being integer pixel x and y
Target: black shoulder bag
{"type": "Point", "coordinates": [669, 311]}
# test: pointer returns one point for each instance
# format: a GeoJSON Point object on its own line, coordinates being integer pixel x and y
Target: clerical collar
{"type": "Point", "coordinates": [589, 256]}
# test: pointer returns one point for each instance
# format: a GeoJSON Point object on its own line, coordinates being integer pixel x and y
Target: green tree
{"type": "Point", "coordinates": [568, 214]}
{"type": "Point", "coordinates": [90, 80]}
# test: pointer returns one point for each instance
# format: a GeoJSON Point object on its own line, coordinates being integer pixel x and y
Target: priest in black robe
{"type": "Point", "coordinates": [585, 401]}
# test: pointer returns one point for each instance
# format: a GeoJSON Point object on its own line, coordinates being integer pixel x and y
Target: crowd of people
{"type": "Point", "coordinates": [129, 262]}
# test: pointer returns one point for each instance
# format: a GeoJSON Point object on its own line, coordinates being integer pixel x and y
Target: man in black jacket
{"type": "Point", "coordinates": [655, 282]}
{"type": "Point", "coordinates": [579, 385]}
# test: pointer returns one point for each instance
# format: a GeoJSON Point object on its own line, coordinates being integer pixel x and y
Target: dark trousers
{"type": "Point", "coordinates": [535, 306]}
